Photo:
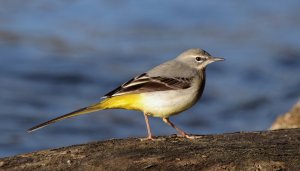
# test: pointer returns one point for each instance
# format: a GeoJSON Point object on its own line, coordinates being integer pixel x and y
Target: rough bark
{"type": "Point", "coordinates": [267, 150]}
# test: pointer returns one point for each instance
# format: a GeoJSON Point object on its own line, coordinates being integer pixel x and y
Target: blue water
{"type": "Point", "coordinates": [58, 56]}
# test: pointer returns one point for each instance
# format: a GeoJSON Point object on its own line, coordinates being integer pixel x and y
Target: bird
{"type": "Point", "coordinates": [164, 91]}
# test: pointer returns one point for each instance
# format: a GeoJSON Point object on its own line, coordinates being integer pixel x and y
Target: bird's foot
{"type": "Point", "coordinates": [191, 137]}
{"type": "Point", "coordinates": [150, 138]}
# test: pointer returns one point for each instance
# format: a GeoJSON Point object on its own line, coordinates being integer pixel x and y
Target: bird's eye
{"type": "Point", "coordinates": [199, 59]}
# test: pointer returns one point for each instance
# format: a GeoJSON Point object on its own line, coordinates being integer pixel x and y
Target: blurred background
{"type": "Point", "coordinates": [58, 56]}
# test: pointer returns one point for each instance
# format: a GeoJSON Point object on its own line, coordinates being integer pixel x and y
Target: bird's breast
{"type": "Point", "coordinates": [171, 102]}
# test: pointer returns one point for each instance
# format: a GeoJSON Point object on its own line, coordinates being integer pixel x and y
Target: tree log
{"type": "Point", "coordinates": [267, 150]}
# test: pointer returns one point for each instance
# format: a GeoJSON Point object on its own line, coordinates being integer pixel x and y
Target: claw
{"type": "Point", "coordinates": [191, 137]}
{"type": "Point", "coordinates": [152, 139]}
{"type": "Point", "coordinates": [149, 138]}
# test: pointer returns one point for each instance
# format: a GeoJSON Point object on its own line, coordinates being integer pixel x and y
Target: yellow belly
{"type": "Point", "coordinates": [130, 102]}
{"type": "Point", "coordinates": [157, 104]}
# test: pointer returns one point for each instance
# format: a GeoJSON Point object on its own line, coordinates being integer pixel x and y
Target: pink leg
{"type": "Point", "coordinates": [184, 134]}
{"type": "Point", "coordinates": [148, 129]}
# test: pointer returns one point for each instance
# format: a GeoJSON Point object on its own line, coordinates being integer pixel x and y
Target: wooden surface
{"type": "Point", "coordinates": [268, 150]}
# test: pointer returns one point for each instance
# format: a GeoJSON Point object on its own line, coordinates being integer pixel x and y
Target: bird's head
{"type": "Point", "coordinates": [197, 58]}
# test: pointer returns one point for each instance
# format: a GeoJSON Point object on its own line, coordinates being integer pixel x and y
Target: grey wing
{"type": "Point", "coordinates": [144, 83]}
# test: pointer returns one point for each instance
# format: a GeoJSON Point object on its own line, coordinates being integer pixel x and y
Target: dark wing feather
{"type": "Point", "coordinates": [144, 83]}
{"type": "Point", "coordinates": [111, 93]}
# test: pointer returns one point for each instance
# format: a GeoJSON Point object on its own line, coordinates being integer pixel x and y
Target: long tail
{"type": "Point", "coordinates": [131, 101]}
{"type": "Point", "coordinates": [81, 111]}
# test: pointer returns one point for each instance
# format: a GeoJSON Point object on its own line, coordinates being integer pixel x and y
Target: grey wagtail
{"type": "Point", "coordinates": [163, 91]}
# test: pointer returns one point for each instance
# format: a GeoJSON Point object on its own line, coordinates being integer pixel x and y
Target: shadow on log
{"type": "Point", "coordinates": [268, 150]}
